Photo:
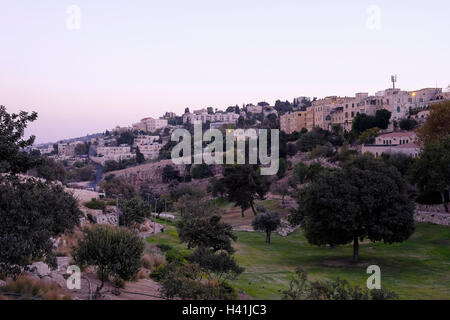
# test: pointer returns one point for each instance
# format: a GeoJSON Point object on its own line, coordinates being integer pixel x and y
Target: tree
{"type": "Point", "coordinates": [217, 187]}
{"type": "Point", "coordinates": [219, 266]}
{"type": "Point", "coordinates": [32, 213]}
{"type": "Point", "coordinates": [301, 172]}
{"type": "Point", "coordinates": [366, 199]}
{"type": "Point", "coordinates": [244, 183]}
{"type": "Point", "coordinates": [438, 124]}
{"type": "Point", "coordinates": [81, 149]}
{"type": "Point", "coordinates": [126, 137]}
{"type": "Point", "coordinates": [116, 252]}
{"type": "Point", "coordinates": [169, 174]}
{"type": "Point", "coordinates": [363, 122]}
{"type": "Point", "coordinates": [139, 156]}
{"type": "Point", "coordinates": [408, 124]}
{"type": "Point", "coordinates": [431, 171]}
{"type": "Point", "coordinates": [369, 135]}
{"type": "Point", "coordinates": [206, 231]}
{"type": "Point", "coordinates": [117, 185]}
{"type": "Point", "coordinates": [283, 190]}
{"type": "Point", "coordinates": [310, 140]}
{"type": "Point", "coordinates": [51, 170]}
{"type": "Point", "coordinates": [133, 210]}
{"type": "Point", "coordinates": [266, 221]}
{"type": "Point", "coordinates": [201, 171]}
{"type": "Point", "coordinates": [283, 166]}
{"type": "Point", "coordinates": [382, 118]}
{"type": "Point", "coordinates": [12, 127]}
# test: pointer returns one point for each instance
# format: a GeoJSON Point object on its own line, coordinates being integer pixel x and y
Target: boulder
{"type": "Point", "coordinates": [40, 268]}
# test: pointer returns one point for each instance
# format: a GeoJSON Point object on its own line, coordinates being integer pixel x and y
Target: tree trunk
{"type": "Point", "coordinates": [242, 212]}
{"type": "Point", "coordinates": [253, 208]}
{"type": "Point", "coordinates": [355, 249]}
{"type": "Point", "coordinates": [268, 237]}
{"type": "Point", "coordinates": [443, 201]}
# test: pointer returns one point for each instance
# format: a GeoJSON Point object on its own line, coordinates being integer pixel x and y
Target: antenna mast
{"type": "Point", "coordinates": [394, 80]}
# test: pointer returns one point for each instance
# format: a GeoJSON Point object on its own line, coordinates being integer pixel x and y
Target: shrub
{"type": "Point", "coordinates": [158, 273]}
{"type": "Point", "coordinates": [95, 204]}
{"type": "Point", "coordinates": [164, 247]}
{"type": "Point", "coordinates": [175, 256]}
{"type": "Point", "coordinates": [30, 287]}
{"type": "Point", "coordinates": [116, 252]}
{"type": "Point", "coordinates": [152, 261]}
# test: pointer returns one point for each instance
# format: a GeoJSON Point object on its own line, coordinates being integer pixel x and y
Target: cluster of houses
{"type": "Point", "coordinates": [325, 113]}
{"type": "Point", "coordinates": [306, 114]}
{"type": "Point", "coordinates": [342, 110]}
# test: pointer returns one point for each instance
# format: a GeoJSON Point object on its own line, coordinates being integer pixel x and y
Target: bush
{"type": "Point", "coordinates": [95, 204]}
{"type": "Point", "coordinates": [164, 247]}
{"type": "Point", "coordinates": [201, 171]}
{"type": "Point", "coordinates": [30, 287]}
{"type": "Point", "coordinates": [152, 261]}
{"type": "Point", "coordinates": [158, 273]}
{"type": "Point", "coordinates": [175, 256]}
{"type": "Point", "coordinates": [115, 252]}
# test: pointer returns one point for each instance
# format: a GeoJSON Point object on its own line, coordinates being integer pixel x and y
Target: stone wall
{"type": "Point", "coordinates": [432, 217]}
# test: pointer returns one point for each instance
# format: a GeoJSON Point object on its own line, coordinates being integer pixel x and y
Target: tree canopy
{"type": "Point", "coordinates": [366, 199]}
{"type": "Point", "coordinates": [244, 184]}
{"type": "Point", "coordinates": [116, 252]}
{"type": "Point", "coordinates": [32, 212]}
{"type": "Point", "coordinates": [12, 127]}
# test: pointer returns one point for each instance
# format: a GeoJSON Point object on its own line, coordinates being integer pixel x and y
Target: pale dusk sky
{"type": "Point", "coordinates": [131, 59]}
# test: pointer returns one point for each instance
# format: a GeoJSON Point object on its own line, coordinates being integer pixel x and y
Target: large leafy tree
{"type": "Point", "coordinates": [133, 210]}
{"type": "Point", "coordinates": [31, 214]}
{"type": "Point", "coordinates": [438, 124]}
{"type": "Point", "coordinates": [201, 228]}
{"type": "Point", "coordinates": [116, 252]}
{"type": "Point", "coordinates": [12, 127]}
{"type": "Point", "coordinates": [200, 225]}
{"type": "Point", "coordinates": [366, 199]}
{"type": "Point", "coordinates": [431, 171]}
{"type": "Point", "coordinates": [266, 221]}
{"type": "Point", "coordinates": [245, 184]}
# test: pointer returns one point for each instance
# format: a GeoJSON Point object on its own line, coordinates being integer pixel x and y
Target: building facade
{"type": "Point", "coordinates": [293, 121]}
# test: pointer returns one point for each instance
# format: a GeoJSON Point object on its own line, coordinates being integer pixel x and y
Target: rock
{"type": "Point", "coordinates": [40, 269]}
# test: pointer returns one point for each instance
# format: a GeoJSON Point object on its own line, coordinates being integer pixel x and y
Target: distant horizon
{"type": "Point", "coordinates": [86, 66]}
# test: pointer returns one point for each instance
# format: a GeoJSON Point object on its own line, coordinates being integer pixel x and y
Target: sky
{"type": "Point", "coordinates": [89, 65]}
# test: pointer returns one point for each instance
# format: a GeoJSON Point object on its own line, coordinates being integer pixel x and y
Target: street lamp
{"type": "Point", "coordinates": [117, 196]}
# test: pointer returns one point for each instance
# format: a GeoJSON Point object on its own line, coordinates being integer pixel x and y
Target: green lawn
{"type": "Point", "coordinates": [416, 269]}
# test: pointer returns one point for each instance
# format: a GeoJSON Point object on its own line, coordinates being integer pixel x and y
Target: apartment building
{"type": "Point", "coordinates": [67, 149]}
{"type": "Point", "coordinates": [150, 151]}
{"type": "Point", "coordinates": [309, 118]}
{"type": "Point", "coordinates": [141, 140]}
{"type": "Point", "coordinates": [228, 117]}
{"type": "Point", "coordinates": [115, 153]}
{"type": "Point", "coordinates": [395, 142]}
{"type": "Point", "coordinates": [293, 121]}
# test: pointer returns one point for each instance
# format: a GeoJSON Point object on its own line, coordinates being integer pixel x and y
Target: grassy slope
{"type": "Point", "coordinates": [416, 269]}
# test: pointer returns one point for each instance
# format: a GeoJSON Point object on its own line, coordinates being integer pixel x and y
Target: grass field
{"type": "Point", "coordinates": [416, 269]}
